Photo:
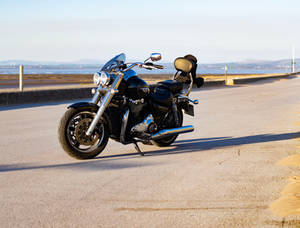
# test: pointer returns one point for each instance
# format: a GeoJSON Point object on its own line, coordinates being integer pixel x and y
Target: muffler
{"type": "Point", "coordinates": [172, 131]}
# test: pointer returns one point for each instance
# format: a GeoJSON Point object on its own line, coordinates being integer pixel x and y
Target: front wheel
{"type": "Point", "coordinates": [71, 133]}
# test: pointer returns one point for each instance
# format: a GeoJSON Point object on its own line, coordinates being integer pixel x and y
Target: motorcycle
{"type": "Point", "coordinates": [126, 109]}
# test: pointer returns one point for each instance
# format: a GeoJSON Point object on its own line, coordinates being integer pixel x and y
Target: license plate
{"type": "Point", "coordinates": [189, 110]}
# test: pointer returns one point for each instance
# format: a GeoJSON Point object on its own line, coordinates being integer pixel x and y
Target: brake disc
{"type": "Point", "coordinates": [80, 133]}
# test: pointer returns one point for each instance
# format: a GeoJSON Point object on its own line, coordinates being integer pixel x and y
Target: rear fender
{"type": "Point", "coordinates": [187, 107]}
{"type": "Point", "coordinates": [93, 107]}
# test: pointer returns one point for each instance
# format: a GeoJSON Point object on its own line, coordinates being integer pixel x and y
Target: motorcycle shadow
{"type": "Point", "coordinates": [202, 144]}
{"type": "Point", "coordinates": [89, 165]}
{"type": "Point", "coordinates": [111, 162]}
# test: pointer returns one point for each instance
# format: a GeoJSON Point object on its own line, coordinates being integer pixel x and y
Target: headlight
{"type": "Point", "coordinates": [101, 78]}
{"type": "Point", "coordinates": [97, 78]}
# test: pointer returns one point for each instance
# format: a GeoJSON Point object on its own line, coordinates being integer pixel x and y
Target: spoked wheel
{"type": "Point", "coordinates": [170, 123]}
{"type": "Point", "coordinates": [72, 134]}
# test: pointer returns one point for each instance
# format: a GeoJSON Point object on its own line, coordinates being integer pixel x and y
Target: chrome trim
{"type": "Point", "coordinates": [96, 96]}
{"type": "Point", "coordinates": [136, 102]}
{"type": "Point", "coordinates": [99, 92]}
{"type": "Point", "coordinates": [133, 65]}
{"type": "Point", "coordinates": [143, 126]}
{"type": "Point", "coordinates": [185, 98]}
{"type": "Point", "coordinates": [191, 86]}
{"type": "Point", "coordinates": [105, 102]}
{"type": "Point", "coordinates": [155, 57]}
{"type": "Point", "coordinates": [172, 131]}
{"type": "Point", "coordinates": [124, 126]}
{"type": "Point", "coordinates": [175, 75]}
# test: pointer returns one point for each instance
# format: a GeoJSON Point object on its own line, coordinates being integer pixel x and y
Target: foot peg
{"type": "Point", "coordinates": [138, 149]}
{"type": "Point", "coordinates": [186, 98]}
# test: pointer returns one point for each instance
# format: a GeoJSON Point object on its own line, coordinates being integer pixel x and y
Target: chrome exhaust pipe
{"type": "Point", "coordinates": [172, 131]}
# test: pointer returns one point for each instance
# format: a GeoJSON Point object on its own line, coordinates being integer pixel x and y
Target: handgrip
{"type": "Point", "coordinates": [158, 66]}
{"type": "Point", "coordinates": [150, 66]}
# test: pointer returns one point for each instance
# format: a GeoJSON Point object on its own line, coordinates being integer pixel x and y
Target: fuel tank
{"type": "Point", "coordinates": [137, 88]}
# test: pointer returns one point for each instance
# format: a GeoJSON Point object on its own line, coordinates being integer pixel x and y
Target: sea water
{"type": "Point", "coordinates": [167, 70]}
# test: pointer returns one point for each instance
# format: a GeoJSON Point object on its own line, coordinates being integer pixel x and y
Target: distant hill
{"type": "Point", "coordinates": [84, 63]}
{"type": "Point", "coordinates": [33, 63]}
{"type": "Point", "coordinates": [253, 64]}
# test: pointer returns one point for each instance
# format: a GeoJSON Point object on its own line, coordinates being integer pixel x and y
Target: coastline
{"type": "Point", "coordinates": [10, 81]}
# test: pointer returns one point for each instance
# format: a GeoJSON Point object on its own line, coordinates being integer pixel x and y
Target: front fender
{"type": "Point", "coordinates": [93, 107]}
{"type": "Point", "coordinates": [83, 105]}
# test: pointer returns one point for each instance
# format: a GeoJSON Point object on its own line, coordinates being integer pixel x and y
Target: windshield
{"type": "Point", "coordinates": [115, 62]}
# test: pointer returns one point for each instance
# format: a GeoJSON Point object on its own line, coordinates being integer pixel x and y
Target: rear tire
{"type": "Point", "coordinates": [167, 141]}
{"type": "Point", "coordinates": [71, 134]}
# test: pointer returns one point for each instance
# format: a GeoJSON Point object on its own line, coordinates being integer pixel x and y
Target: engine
{"type": "Point", "coordinates": [145, 128]}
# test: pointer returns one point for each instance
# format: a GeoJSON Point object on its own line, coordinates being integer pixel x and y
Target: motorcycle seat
{"type": "Point", "coordinates": [173, 86]}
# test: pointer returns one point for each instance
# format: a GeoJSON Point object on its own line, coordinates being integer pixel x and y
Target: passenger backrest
{"type": "Point", "coordinates": [184, 65]}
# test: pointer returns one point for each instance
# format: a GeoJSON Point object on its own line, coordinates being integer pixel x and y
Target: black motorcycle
{"type": "Point", "coordinates": [125, 108]}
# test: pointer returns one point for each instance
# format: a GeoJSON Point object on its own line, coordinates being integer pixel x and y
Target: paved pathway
{"type": "Point", "coordinates": [224, 174]}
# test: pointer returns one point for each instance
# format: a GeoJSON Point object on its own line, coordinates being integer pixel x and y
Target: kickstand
{"type": "Point", "coordinates": [138, 149]}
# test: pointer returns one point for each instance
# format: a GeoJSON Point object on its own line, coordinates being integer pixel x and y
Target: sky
{"type": "Point", "coordinates": [212, 30]}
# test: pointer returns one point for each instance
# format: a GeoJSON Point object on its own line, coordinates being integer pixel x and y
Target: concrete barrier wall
{"type": "Point", "coordinates": [249, 80]}
{"type": "Point", "coordinates": [39, 96]}
{"type": "Point", "coordinates": [214, 83]}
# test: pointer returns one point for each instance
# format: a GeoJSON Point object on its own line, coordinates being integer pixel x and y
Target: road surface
{"type": "Point", "coordinates": [224, 174]}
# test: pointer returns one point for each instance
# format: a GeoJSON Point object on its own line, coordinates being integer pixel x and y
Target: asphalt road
{"type": "Point", "coordinates": [224, 174]}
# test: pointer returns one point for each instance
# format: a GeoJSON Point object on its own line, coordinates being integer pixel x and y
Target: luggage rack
{"type": "Point", "coordinates": [189, 89]}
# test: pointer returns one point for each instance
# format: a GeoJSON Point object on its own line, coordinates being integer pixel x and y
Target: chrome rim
{"type": "Point", "coordinates": [76, 129]}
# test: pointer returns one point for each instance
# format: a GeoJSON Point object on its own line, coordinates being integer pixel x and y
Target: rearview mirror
{"type": "Point", "coordinates": [155, 57]}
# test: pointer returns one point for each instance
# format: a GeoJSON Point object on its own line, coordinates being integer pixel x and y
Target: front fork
{"type": "Point", "coordinates": [109, 93]}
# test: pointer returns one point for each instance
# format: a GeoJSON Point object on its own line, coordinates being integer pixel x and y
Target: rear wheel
{"type": "Point", "coordinates": [170, 123]}
{"type": "Point", "coordinates": [72, 137]}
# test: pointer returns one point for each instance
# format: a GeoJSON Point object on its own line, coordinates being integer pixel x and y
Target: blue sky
{"type": "Point", "coordinates": [214, 31]}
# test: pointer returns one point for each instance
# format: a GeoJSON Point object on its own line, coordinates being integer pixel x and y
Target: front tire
{"type": "Point", "coordinates": [72, 137]}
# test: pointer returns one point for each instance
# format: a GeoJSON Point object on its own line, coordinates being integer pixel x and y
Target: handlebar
{"type": "Point", "coordinates": [151, 66]}
{"type": "Point", "coordinates": [148, 66]}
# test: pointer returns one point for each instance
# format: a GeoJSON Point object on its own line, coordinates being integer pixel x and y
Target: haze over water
{"type": "Point", "coordinates": [167, 70]}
